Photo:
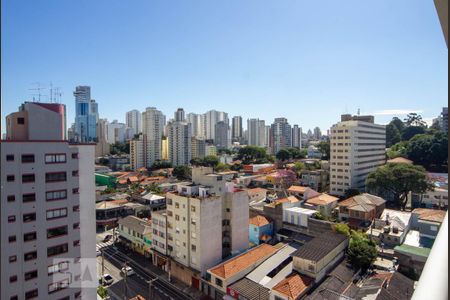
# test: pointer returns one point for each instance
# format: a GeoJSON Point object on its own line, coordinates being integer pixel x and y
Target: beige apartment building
{"type": "Point", "coordinates": [357, 147]}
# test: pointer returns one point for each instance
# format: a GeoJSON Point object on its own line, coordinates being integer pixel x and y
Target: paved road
{"type": "Point", "coordinates": [138, 283]}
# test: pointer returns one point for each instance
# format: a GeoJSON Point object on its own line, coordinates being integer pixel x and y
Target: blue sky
{"type": "Point", "coordinates": [309, 61]}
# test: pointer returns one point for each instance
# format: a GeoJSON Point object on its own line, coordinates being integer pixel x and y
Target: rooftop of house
{"type": "Point", "coordinates": [301, 210]}
{"type": "Point", "coordinates": [439, 180]}
{"type": "Point", "coordinates": [152, 197]}
{"type": "Point", "coordinates": [397, 218]}
{"type": "Point", "coordinates": [291, 199]}
{"type": "Point", "coordinates": [256, 191]}
{"type": "Point", "coordinates": [320, 246]}
{"type": "Point", "coordinates": [250, 290]}
{"type": "Point", "coordinates": [142, 226]}
{"type": "Point", "coordinates": [243, 261]}
{"type": "Point", "coordinates": [105, 205]}
{"type": "Point", "coordinates": [293, 286]}
{"type": "Point", "coordinates": [418, 251]}
{"type": "Point", "coordinates": [297, 189]}
{"type": "Point", "coordinates": [400, 160]}
{"type": "Point", "coordinates": [431, 215]}
{"type": "Point", "coordinates": [364, 202]}
{"type": "Point", "coordinates": [323, 199]}
{"type": "Point", "coordinates": [259, 221]}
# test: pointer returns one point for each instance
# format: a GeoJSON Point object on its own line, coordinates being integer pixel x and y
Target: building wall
{"type": "Point", "coordinates": [238, 215]}
{"type": "Point", "coordinates": [153, 122]}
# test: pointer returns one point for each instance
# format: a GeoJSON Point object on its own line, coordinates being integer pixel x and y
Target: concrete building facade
{"type": "Point", "coordinates": [153, 122]}
{"type": "Point", "coordinates": [134, 120]}
{"type": "Point", "coordinates": [179, 142]}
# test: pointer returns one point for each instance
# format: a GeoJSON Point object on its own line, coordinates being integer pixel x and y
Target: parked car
{"type": "Point", "coordinates": [106, 279]}
{"type": "Point", "coordinates": [127, 270]}
{"type": "Point", "coordinates": [98, 252]}
{"type": "Point", "coordinates": [107, 238]}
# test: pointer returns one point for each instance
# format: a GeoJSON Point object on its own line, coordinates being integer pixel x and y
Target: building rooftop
{"type": "Point", "coordinates": [419, 251]}
{"type": "Point", "coordinates": [256, 191]}
{"type": "Point", "coordinates": [297, 189]}
{"type": "Point", "coordinates": [250, 290]}
{"type": "Point", "coordinates": [302, 210]}
{"type": "Point", "coordinates": [400, 160]}
{"type": "Point", "coordinates": [363, 202]}
{"type": "Point", "coordinates": [323, 199]}
{"type": "Point", "coordinates": [259, 221]}
{"type": "Point", "coordinates": [291, 199]}
{"type": "Point", "coordinates": [141, 226]}
{"type": "Point", "coordinates": [432, 215]}
{"type": "Point", "coordinates": [243, 261]}
{"type": "Point", "coordinates": [104, 205]}
{"type": "Point", "coordinates": [320, 246]}
{"type": "Point", "coordinates": [293, 286]}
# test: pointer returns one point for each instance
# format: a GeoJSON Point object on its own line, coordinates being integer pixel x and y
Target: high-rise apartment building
{"type": "Point", "coordinates": [115, 132]}
{"type": "Point", "coordinates": [211, 118]}
{"type": "Point", "coordinates": [137, 153]}
{"type": "Point", "coordinates": [48, 208]}
{"type": "Point", "coordinates": [222, 135]}
{"type": "Point", "coordinates": [179, 137]}
{"type": "Point", "coordinates": [237, 132]}
{"type": "Point", "coordinates": [102, 147]}
{"type": "Point", "coordinates": [256, 131]}
{"type": "Point", "coordinates": [86, 115]}
{"type": "Point", "coordinates": [153, 122]}
{"type": "Point", "coordinates": [317, 133]}
{"type": "Point", "coordinates": [356, 149]}
{"type": "Point", "coordinates": [443, 119]}
{"type": "Point", "coordinates": [296, 136]}
{"type": "Point", "coordinates": [134, 120]}
{"type": "Point", "coordinates": [198, 147]}
{"type": "Point", "coordinates": [197, 122]}
{"type": "Point", "coordinates": [280, 135]}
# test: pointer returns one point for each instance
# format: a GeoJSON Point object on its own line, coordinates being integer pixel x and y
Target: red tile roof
{"type": "Point", "coordinates": [293, 286]}
{"type": "Point", "coordinates": [297, 189]}
{"type": "Point", "coordinates": [432, 215]}
{"type": "Point", "coordinates": [323, 199]}
{"type": "Point", "coordinates": [259, 221]}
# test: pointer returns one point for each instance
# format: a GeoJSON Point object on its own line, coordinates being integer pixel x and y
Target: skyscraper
{"type": "Point", "coordinates": [317, 133]}
{"type": "Point", "coordinates": [197, 122]}
{"type": "Point", "coordinates": [296, 136]}
{"type": "Point", "coordinates": [153, 122]}
{"type": "Point", "coordinates": [256, 131]}
{"type": "Point", "coordinates": [115, 132]}
{"type": "Point", "coordinates": [86, 115]}
{"type": "Point", "coordinates": [222, 134]}
{"type": "Point", "coordinates": [134, 120]}
{"type": "Point", "coordinates": [211, 118]}
{"type": "Point", "coordinates": [102, 147]}
{"type": "Point", "coordinates": [48, 208]}
{"type": "Point", "coordinates": [179, 138]}
{"type": "Point", "coordinates": [281, 135]}
{"type": "Point", "coordinates": [236, 129]}
{"type": "Point", "coordinates": [443, 119]}
{"type": "Point", "coordinates": [356, 149]}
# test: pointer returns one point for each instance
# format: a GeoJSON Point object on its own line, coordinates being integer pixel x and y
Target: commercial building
{"type": "Point", "coordinates": [357, 147]}
{"type": "Point", "coordinates": [136, 233]}
{"type": "Point", "coordinates": [197, 122]}
{"type": "Point", "coordinates": [137, 153]}
{"type": "Point", "coordinates": [134, 120]}
{"type": "Point", "coordinates": [159, 242]}
{"type": "Point", "coordinates": [48, 211]}
{"type": "Point", "coordinates": [280, 135]}
{"type": "Point", "coordinates": [179, 139]}
{"type": "Point", "coordinates": [153, 122]}
{"type": "Point", "coordinates": [86, 115]}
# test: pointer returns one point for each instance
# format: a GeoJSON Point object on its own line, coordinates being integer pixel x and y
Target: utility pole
{"type": "Point", "coordinates": [103, 267]}
{"type": "Point", "coordinates": [150, 288]}
{"type": "Point", "coordinates": [125, 295]}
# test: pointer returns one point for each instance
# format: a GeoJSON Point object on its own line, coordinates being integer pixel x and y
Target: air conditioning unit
{"type": "Point", "coordinates": [386, 229]}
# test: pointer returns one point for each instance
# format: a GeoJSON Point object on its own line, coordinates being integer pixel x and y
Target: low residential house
{"type": "Point", "coordinates": [246, 289]}
{"type": "Point", "coordinates": [275, 209]}
{"type": "Point", "coordinates": [297, 190]}
{"type": "Point", "coordinates": [427, 221]}
{"type": "Point", "coordinates": [136, 233]}
{"type": "Point", "coordinates": [259, 168]}
{"type": "Point", "coordinates": [260, 230]}
{"type": "Point", "coordinates": [159, 239]}
{"type": "Point", "coordinates": [298, 216]}
{"type": "Point", "coordinates": [292, 287]}
{"type": "Point", "coordinates": [257, 194]}
{"type": "Point", "coordinates": [323, 203]}
{"type": "Point", "coordinates": [316, 179]}
{"type": "Point", "coordinates": [318, 256]}
{"type": "Point", "coordinates": [153, 201]}
{"type": "Point", "coordinates": [234, 269]}
{"type": "Point", "coordinates": [107, 213]}
{"type": "Point", "coordinates": [361, 210]}
{"type": "Point", "coordinates": [391, 228]}
{"type": "Point", "coordinates": [437, 198]}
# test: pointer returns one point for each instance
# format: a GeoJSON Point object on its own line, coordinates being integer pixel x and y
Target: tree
{"type": "Point", "coordinates": [182, 172]}
{"type": "Point", "coordinates": [224, 151]}
{"type": "Point", "coordinates": [324, 147]}
{"type": "Point", "coordinates": [429, 150]}
{"type": "Point", "coordinates": [397, 123]}
{"type": "Point", "coordinates": [298, 168]}
{"type": "Point", "coordinates": [196, 161]}
{"type": "Point", "coordinates": [120, 148]}
{"type": "Point", "coordinates": [252, 154]}
{"type": "Point", "coordinates": [392, 135]}
{"type": "Point", "coordinates": [210, 161]}
{"type": "Point", "coordinates": [108, 190]}
{"type": "Point", "coordinates": [410, 131]}
{"type": "Point", "coordinates": [220, 167]}
{"type": "Point", "coordinates": [160, 164]}
{"type": "Point", "coordinates": [351, 192]}
{"type": "Point", "coordinates": [398, 150]}
{"type": "Point", "coordinates": [413, 119]}
{"type": "Point", "coordinates": [399, 180]}
{"type": "Point", "coordinates": [283, 155]}
{"type": "Point", "coordinates": [102, 292]}
{"type": "Point", "coordinates": [103, 161]}
{"type": "Point", "coordinates": [362, 252]}
{"type": "Point", "coordinates": [296, 153]}
{"type": "Point", "coordinates": [342, 228]}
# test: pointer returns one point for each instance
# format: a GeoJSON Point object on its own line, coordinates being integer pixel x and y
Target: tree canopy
{"type": "Point", "coordinates": [392, 135]}
{"type": "Point", "coordinates": [361, 252]}
{"type": "Point", "coordinates": [410, 131]}
{"type": "Point", "coordinates": [182, 172]}
{"type": "Point", "coordinates": [324, 147]}
{"type": "Point", "coordinates": [398, 179]}
{"type": "Point", "coordinates": [120, 148]}
{"type": "Point", "coordinates": [252, 154]}
{"type": "Point", "coordinates": [429, 150]}
{"type": "Point", "coordinates": [283, 155]}
{"type": "Point", "coordinates": [160, 164]}
{"type": "Point", "coordinates": [414, 119]}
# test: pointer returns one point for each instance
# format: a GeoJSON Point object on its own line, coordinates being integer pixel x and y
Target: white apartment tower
{"type": "Point", "coordinates": [296, 136]}
{"type": "Point", "coordinates": [134, 120]}
{"type": "Point", "coordinates": [211, 118]}
{"type": "Point", "coordinates": [179, 139]}
{"type": "Point", "coordinates": [48, 208]}
{"type": "Point", "coordinates": [237, 132]}
{"type": "Point", "coordinates": [256, 131]}
{"type": "Point", "coordinates": [197, 122]}
{"type": "Point", "coordinates": [153, 122]}
{"type": "Point", "coordinates": [357, 147]}
{"type": "Point", "coordinates": [137, 153]}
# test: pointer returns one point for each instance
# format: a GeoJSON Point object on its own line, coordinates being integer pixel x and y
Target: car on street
{"type": "Point", "coordinates": [127, 270]}
{"type": "Point", "coordinates": [107, 238]}
{"type": "Point", "coordinates": [98, 253]}
{"type": "Point", "coordinates": [106, 279]}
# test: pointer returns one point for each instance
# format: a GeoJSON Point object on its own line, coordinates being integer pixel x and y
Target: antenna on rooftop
{"type": "Point", "coordinates": [38, 89]}
{"type": "Point", "coordinates": [58, 95]}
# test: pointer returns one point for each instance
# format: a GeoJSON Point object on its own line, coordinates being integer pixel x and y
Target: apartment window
{"type": "Point", "coordinates": [10, 157]}
{"type": "Point", "coordinates": [177, 217]}
{"type": "Point", "coordinates": [169, 201]}
{"type": "Point", "coordinates": [55, 177]}
{"type": "Point", "coordinates": [13, 278]}
{"type": "Point", "coordinates": [75, 173]}
{"type": "Point", "coordinates": [56, 213]}
{"type": "Point", "coordinates": [13, 258]}
{"type": "Point", "coordinates": [177, 205]}
{"type": "Point", "coordinates": [29, 197]}
{"type": "Point", "coordinates": [30, 236]}
{"type": "Point", "coordinates": [10, 178]}
{"type": "Point", "coordinates": [219, 282]}
{"type": "Point", "coordinates": [30, 255]}
{"type": "Point", "coordinates": [57, 231]}
{"type": "Point", "coordinates": [29, 217]}
{"type": "Point", "coordinates": [55, 250]}
{"type": "Point", "coordinates": [76, 243]}
{"type": "Point", "coordinates": [28, 178]}
{"type": "Point", "coordinates": [192, 208]}
{"type": "Point", "coordinates": [76, 226]}
{"type": "Point", "coordinates": [21, 121]}
{"type": "Point", "coordinates": [57, 286]}
{"type": "Point", "coordinates": [62, 266]}
{"type": "Point", "coordinates": [75, 191]}
{"type": "Point", "coordinates": [27, 158]}
{"type": "Point", "coordinates": [55, 158]}
{"type": "Point", "coordinates": [12, 238]}
{"type": "Point", "coordinates": [56, 195]}
{"type": "Point", "coordinates": [14, 298]}
{"type": "Point", "coordinates": [193, 222]}
{"type": "Point", "coordinates": [31, 294]}
{"type": "Point", "coordinates": [193, 248]}
{"type": "Point", "coordinates": [76, 208]}
{"type": "Point", "coordinates": [11, 198]}
{"type": "Point", "coordinates": [31, 275]}
{"type": "Point", "coordinates": [228, 210]}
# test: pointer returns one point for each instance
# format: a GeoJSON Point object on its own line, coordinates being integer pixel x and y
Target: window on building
{"type": "Point", "coordinates": [56, 195]}
{"type": "Point", "coordinates": [75, 191]}
{"type": "Point", "coordinates": [55, 158]}
{"type": "Point", "coordinates": [11, 219]}
{"type": "Point", "coordinates": [13, 278]}
{"type": "Point", "coordinates": [13, 258]}
{"type": "Point", "coordinates": [12, 239]}
{"type": "Point", "coordinates": [30, 236]}
{"type": "Point", "coordinates": [62, 266]}
{"type": "Point", "coordinates": [57, 286]}
{"type": "Point", "coordinates": [10, 157]}
{"type": "Point", "coordinates": [31, 294]}
{"type": "Point", "coordinates": [26, 178]}
{"type": "Point", "coordinates": [11, 198]}
{"type": "Point", "coordinates": [56, 213]}
{"type": "Point", "coordinates": [177, 205]}
{"type": "Point", "coordinates": [29, 217]}
{"type": "Point", "coordinates": [75, 173]}
{"type": "Point", "coordinates": [30, 275]}
{"type": "Point", "coordinates": [75, 155]}
{"type": "Point", "coordinates": [30, 255]}
{"type": "Point", "coordinates": [219, 282]}
{"type": "Point", "coordinates": [27, 158]}
{"type": "Point", "coordinates": [76, 243]}
{"type": "Point", "coordinates": [55, 250]}
{"type": "Point", "coordinates": [76, 226]}
{"type": "Point", "coordinates": [21, 121]}
{"type": "Point", "coordinates": [55, 177]}
{"type": "Point", "coordinates": [57, 231]}
{"type": "Point", "coordinates": [193, 248]}
{"type": "Point", "coordinates": [177, 217]}
{"type": "Point", "coordinates": [76, 208]}
{"type": "Point", "coordinates": [192, 208]}
{"type": "Point", "coordinates": [10, 178]}
{"type": "Point", "coordinates": [29, 197]}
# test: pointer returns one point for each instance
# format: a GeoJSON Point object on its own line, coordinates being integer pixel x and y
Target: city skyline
{"type": "Point", "coordinates": [182, 63]}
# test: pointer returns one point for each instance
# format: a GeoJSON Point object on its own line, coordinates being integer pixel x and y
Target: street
{"type": "Point", "coordinates": [137, 284]}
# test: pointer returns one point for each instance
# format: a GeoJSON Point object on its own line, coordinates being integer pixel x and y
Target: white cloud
{"type": "Point", "coordinates": [391, 112]}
